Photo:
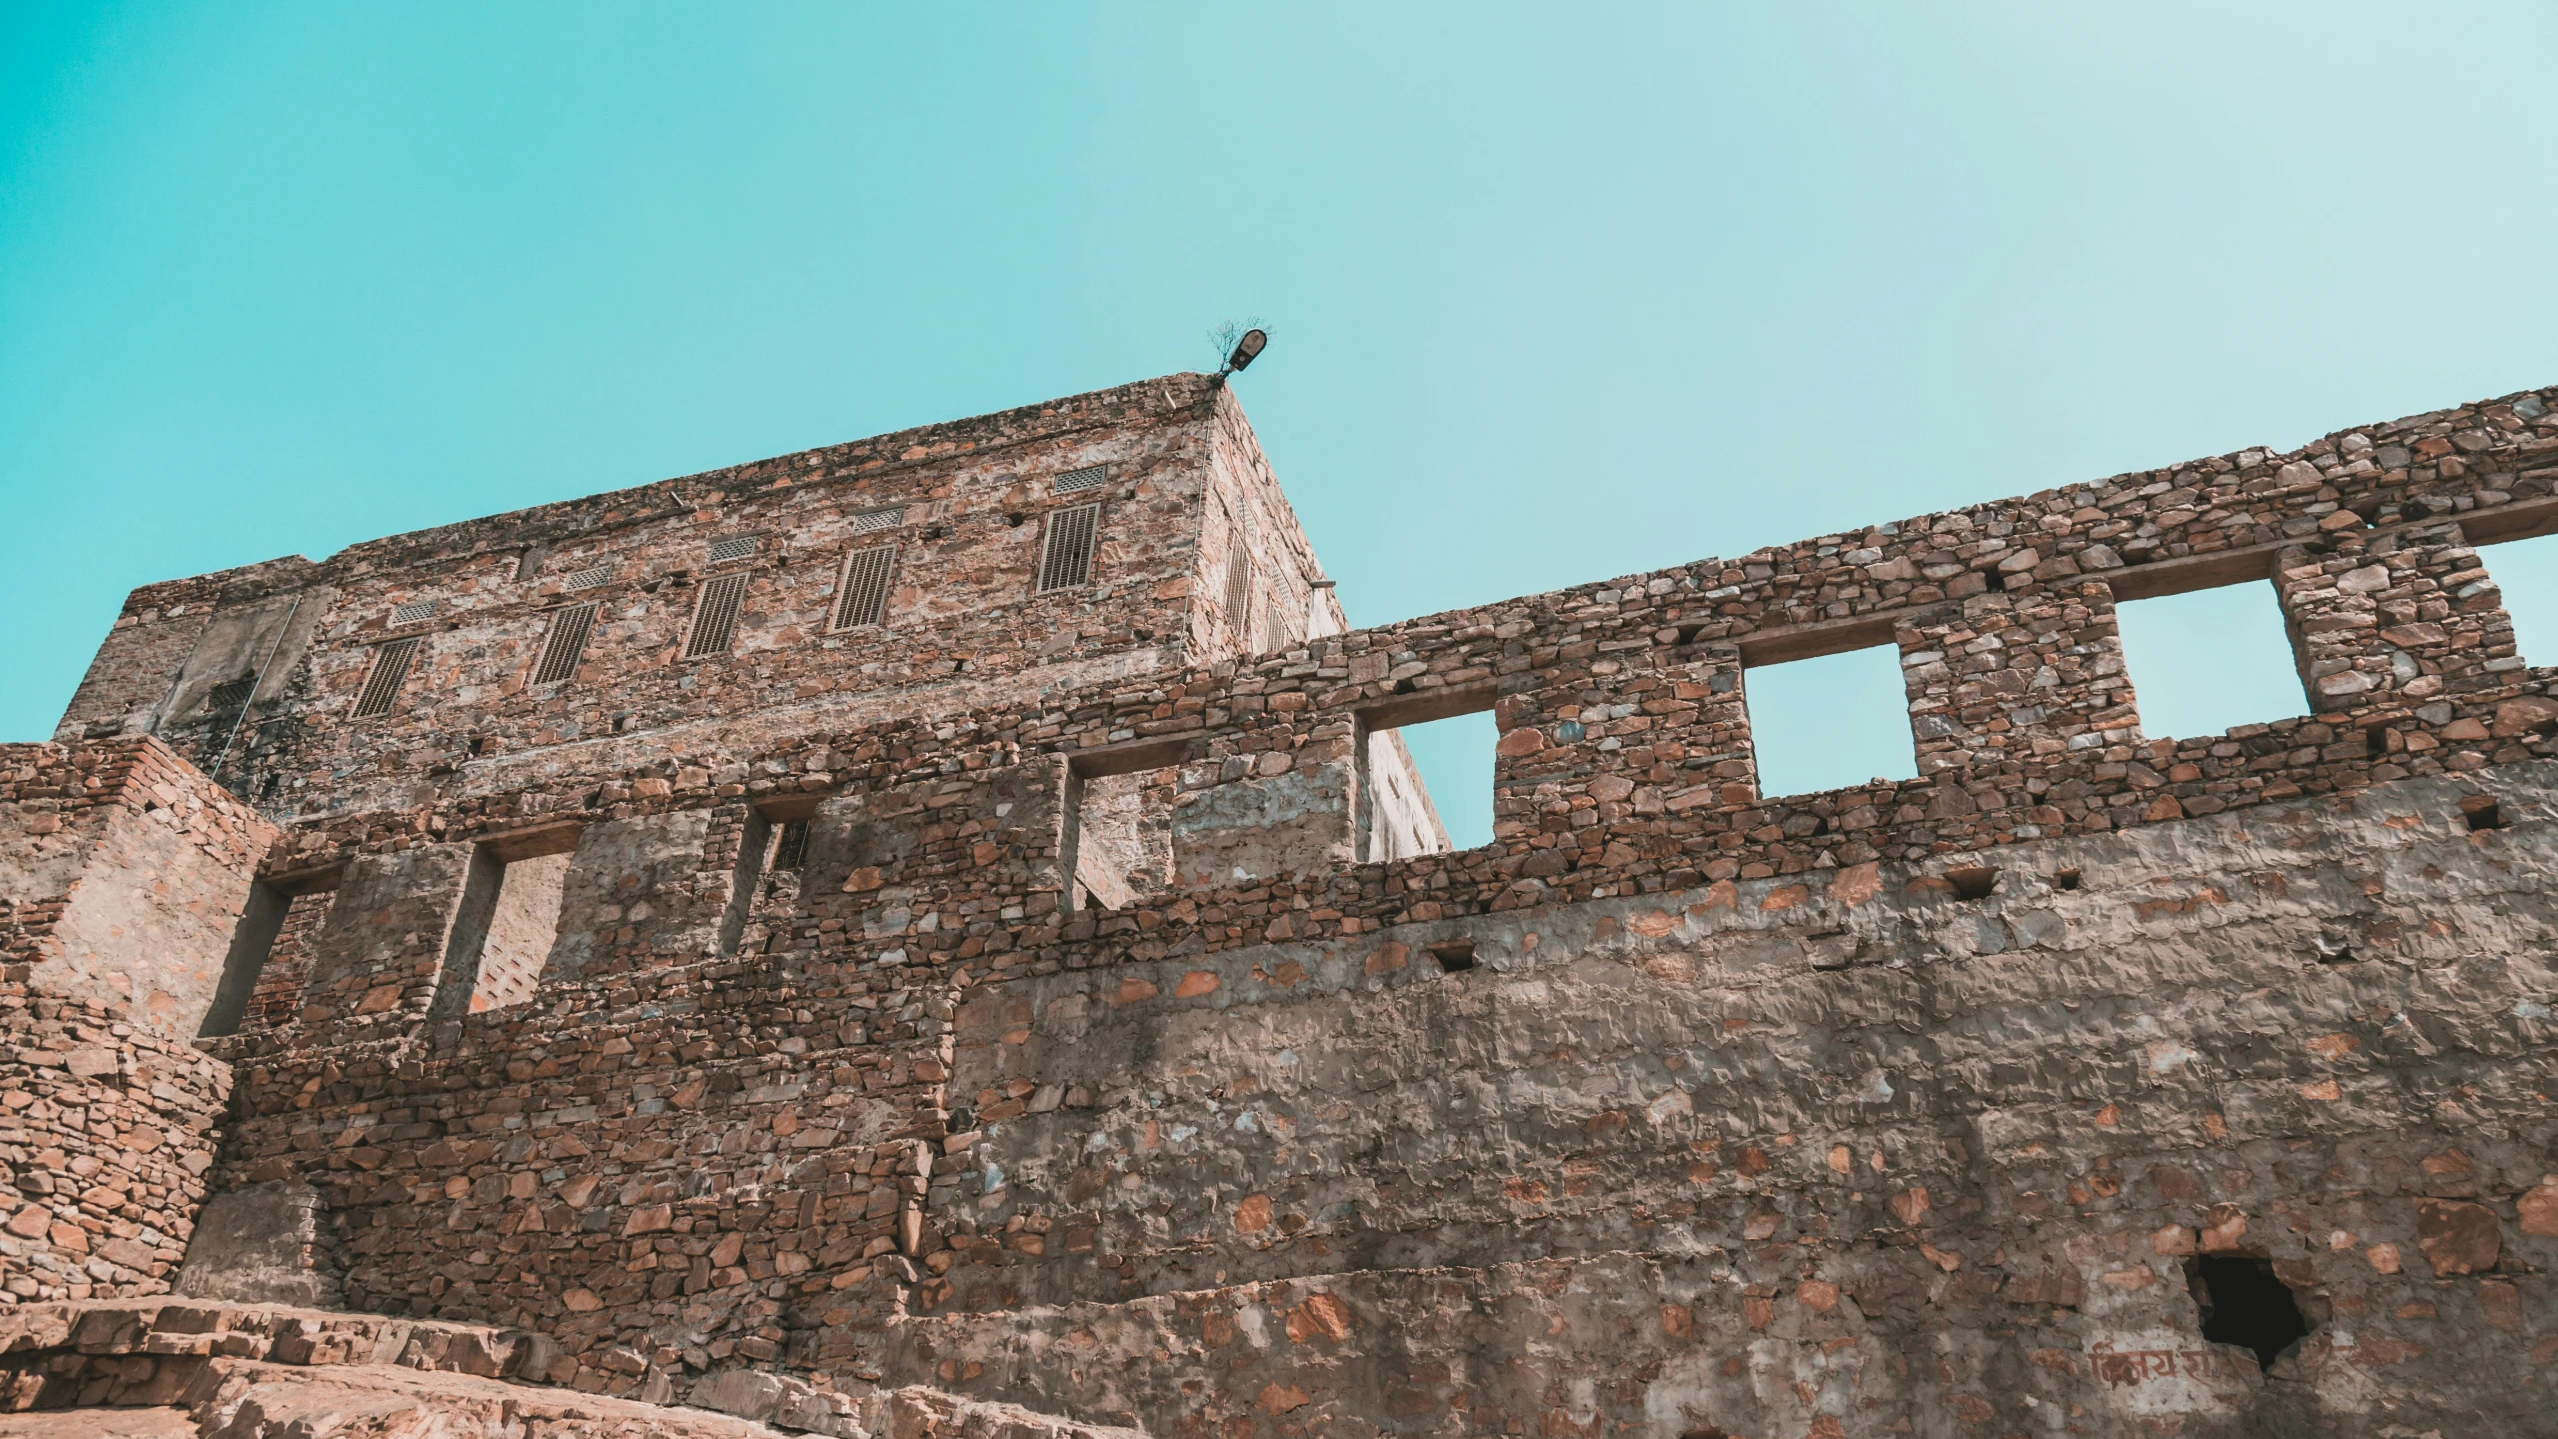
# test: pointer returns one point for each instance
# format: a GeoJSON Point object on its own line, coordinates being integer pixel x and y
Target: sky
{"type": "Point", "coordinates": [1555, 293]}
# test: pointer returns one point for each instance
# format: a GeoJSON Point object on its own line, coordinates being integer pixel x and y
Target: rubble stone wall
{"type": "Point", "coordinates": [1677, 1108]}
{"type": "Point", "coordinates": [964, 504]}
{"type": "Point", "coordinates": [122, 874]}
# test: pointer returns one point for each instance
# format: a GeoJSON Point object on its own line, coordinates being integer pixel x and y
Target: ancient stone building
{"type": "Point", "coordinates": [941, 931]}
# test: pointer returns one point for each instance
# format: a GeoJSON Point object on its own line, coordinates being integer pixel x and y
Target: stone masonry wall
{"type": "Point", "coordinates": [1678, 1108]}
{"type": "Point", "coordinates": [965, 506]}
{"type": "Point", "coordinates": [122, 873]}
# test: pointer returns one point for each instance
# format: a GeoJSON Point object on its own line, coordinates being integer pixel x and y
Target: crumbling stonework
{"type": "Point", "coordinates": [229, 1372]}
{"type": "Point", "coordinates": [1066, 997]}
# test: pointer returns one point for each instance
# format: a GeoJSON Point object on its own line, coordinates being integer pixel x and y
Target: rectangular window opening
{"type": "Point", "coordinates": [1065, 557]}
{"type": "Point", "coordinates": [754, 846]}
{"type": "Point", "coordinates": [715, 617]}
{"type": "Point", "coordinates": [270, 956]}
{"type": "Point", "coordinates": [1425, 787]}
{"type": "Point", "coordinates": [391, 661]}
{"type": "Point", "coordinates": [510, 917]}
{"type": "Point", "coordinates": [1239, 594]}
{"type": "Point", "coordinates": [2208, 661]}
{"type": "Point", "coordinates": [792, 852]}
{"type": "Point", "coordinates": [2526, 573]}
{"type": "Point", "coordinates": [565, 644]}
{"type": "Point", "coordinates": [1123, 837]}
{"type": "Point", "coordinates": [1831, 722]}
{"type": "Point", "coordinates": [230, 694]}
{"type": "Point", "coordinates": [861, 597]}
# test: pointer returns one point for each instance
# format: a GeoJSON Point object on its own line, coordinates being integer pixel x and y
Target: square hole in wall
{"type": "Point", "coordinates": [1124, 837]}
{"type": "Point", "coordinates": [1427, 788]}
{"type": "Point", "coordinates": [2526, 571]}
{"type": "Point", "coordinates": [2207, 661]}
{"type": "Point", "coordinates": [1830, 722]}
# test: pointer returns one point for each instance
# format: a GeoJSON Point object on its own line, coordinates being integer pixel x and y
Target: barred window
{"type": "Point", "coordinates": [1090, 477]}
{"type": "Point", "coordinates": [230, 694]}
{"type": "Point", "coordinates": [715, 617]}
{"type": "Point", "coordinates": [736, 547]}
{"type": "Point", "coordinates": [565, 645]}
{"type": "Point", "coordinates": [588, 578]}
{"type": "Point", "coordinates": [1065, 560]}
{"type": "Point", "coordinates": [862, 597]}
{"type": "Point", "coordinates": [1238, 591]}
{"type": "Point", "coordinates": [391, 661]}
{"type": "Point", "coordinates": [792, 852]}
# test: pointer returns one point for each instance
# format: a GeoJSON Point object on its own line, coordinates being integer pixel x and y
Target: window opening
{"type": "Point", "coordinates": [861, 596]}
{"type": "Point", "coordinates": [270, 955]}
{"type": "Point", "coordinates": [587, 579]}
{"type": "Point", "coordinates": [754, 844]}
{"type": "Point", "coordinates": [1065, 559]}
{"type": "Point", "coordinates": [792, 852]}
{"type": "Point", "coordinates": [736, 547]}
{"type": "Point", "coordinates": [391, 661]}
{"type": "Point", "coordinates": [565, 644]}
{"type": "Point", "coordinates": [2244, 1303]}
{"type": "Point", "coordinates": [2207, 661]}
{"type": "Point", "coordinates": [1123, 837]}
{"type": "Point", "coordinates": [230, 694]}
{"type": "Point", "coordinates": [503, 933]}
{"type": "Point", "coordinates": [413, 612]}
{"type": "Point", "coordinates": [1090, 477]}
{"type": "Point", "coordinates": [876, 520]}
{"type": "Point", "coordinates": [1831, 722]}
{"type": "Point", "coordinates": [1426, 787]}
{"type": "Point", "coordinates": [2526, 574]}
{"type": "Point", "coordinates": [1239, 592]}
{"type": "Point", "coordinates": [715, 617]}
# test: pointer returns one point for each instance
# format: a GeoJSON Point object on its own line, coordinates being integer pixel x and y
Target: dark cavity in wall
{"type": "Point", "coordinates": [2244, 1303]}
{"type": "Point", "coordinates": [1973, 881]}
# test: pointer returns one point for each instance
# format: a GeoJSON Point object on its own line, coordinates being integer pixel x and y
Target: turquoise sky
{"type": "Point", "coordinates": [1556, 293]}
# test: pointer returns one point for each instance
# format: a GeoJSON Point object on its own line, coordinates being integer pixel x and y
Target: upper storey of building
{"type": "Point", "coordinates": [1067, 545]}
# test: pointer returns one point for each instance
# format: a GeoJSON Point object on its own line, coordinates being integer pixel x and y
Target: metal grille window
{"type": "Point", "coordinates": [1075, 482]}
{"type": "Point", "coordinates": [565, 645]}
{"type": "Point", "coordinates": [391, 662]}
{"type": "Point", "coordinates": [792, 852]}
{"type": "Point", "coordinates": [411, 613]}
{"type": "Point", "coordinates": [862, 597]}
{"type": "Point", "coordinates": [877, 520]}
{"type": "Point", "coordinates": [586, 579]}
{"type": "Point", "coordinates": [1238, 590]}
{"type": "Point", "coordinates": [231, 694]}
{"type": "Point", "coordinates": [715, 617]}
{"type": "Point", "coordinates": [737, 548]}
{"type": "Point", "coordinates": [1065, 560]}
